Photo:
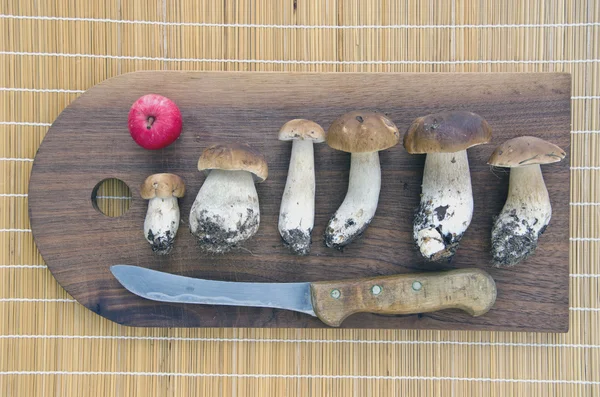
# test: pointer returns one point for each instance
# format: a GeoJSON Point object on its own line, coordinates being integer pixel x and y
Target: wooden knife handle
{"type": "Point", "coordinates": [471, 290]}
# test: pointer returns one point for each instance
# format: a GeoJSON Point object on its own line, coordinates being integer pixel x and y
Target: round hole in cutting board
{"type": "Point", "coordinates": [111, 197]}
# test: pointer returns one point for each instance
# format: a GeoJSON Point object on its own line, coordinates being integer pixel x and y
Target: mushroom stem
{"type": "Point", "coordinates": [446, 205]}
{"type": "Point", "coordinates": [225, 211]}
{"type": "Point", "coordinates": [523, 218]}
{"type": "Point", "coordinates": [161, 223]}
{"type": "Point", "coordinates": [359, 205]}
{"type": "Point", "coordinates": [297, 210]}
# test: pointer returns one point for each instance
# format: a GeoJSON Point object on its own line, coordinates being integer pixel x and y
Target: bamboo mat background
{"type": "Point", "coordinates": [52, 51]}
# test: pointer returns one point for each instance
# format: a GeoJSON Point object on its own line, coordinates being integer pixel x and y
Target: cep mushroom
{"type": "Point", "coordinates": [446, 206]}
{"type": "Point", "coordinates": [527, 210]}
{"type": "Point", "coordinates": [363, 134]}
{"type": "Point", "coordinates": [297, 210]}
{"type": "Point", "coordinates": [226, 211]}
{"type": "Point", "coordinates": [162, 219]}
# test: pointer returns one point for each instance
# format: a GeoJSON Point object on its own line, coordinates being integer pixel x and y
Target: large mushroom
{"type": "Point", "coordinates": [226, 211]}
{"type": "Point", "coordinates": [446, 205]}
{"type": "Point", "coordinates": [162, 218]}
{"type": "Point", "coordinates": [527, 210]}
{"type": "Point", "coordinates": [297, 210]}
{"type": "Point", "coordinates": [363, 134]}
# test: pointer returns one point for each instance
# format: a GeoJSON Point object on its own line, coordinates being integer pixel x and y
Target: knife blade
{"type": "Point", "coordinates": [470, 290]}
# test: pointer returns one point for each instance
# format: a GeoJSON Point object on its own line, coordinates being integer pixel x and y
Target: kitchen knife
{"type": "Point", "coordinates": [471, 290]}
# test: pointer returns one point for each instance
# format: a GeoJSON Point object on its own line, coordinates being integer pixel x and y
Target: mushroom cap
{"type": "Point", "coordinates": [446, 132]}
{"type": "Point", "coordinates": [234, 157]}
{"type": "Point", "coordinates": [162, 185]}
{"type": "Point", "coordinates": [362, 132]}
{"type": "Point", "coordinates": [302, 129]}
{"type": "Point", "coordinates": [525, 150]}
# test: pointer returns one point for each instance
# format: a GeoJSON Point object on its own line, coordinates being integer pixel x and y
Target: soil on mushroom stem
{"type": "Point", "coordinates": [213, 238]}
{"type": "Point", "coordinates": [330, 233]}
{"type": "Point", "coordinates": [510, 248]}
{"type": "Point", "coordinates": [422, 221]}
{"type": "Point", "coordinates": [161, 245]}
{"type": "Point", "coordinates": [297, 240]}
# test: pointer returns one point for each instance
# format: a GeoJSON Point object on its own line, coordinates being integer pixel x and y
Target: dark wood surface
{"type": "Point", "coordinates": [90, 142]}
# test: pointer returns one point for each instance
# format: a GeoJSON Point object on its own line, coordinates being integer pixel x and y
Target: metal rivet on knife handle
{"type": "Point", "coordinates": [376, 290]}
{"type": "Point", "coordinates": [335, 294]}
{"type": "Point", "coordinates": [416, 285]}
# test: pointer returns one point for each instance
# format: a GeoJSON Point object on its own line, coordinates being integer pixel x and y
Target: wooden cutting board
{"type": "Point", "coordinates": [89, 142]}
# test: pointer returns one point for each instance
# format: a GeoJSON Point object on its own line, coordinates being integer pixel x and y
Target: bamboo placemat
{"type": "Point", "coordinates": [52, 51]}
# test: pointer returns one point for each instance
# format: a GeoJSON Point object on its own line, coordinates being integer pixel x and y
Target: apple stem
{"type": "Point", "coordinates": [150, 121]}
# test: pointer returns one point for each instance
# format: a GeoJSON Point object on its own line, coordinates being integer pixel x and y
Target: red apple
{"type": "Point", "coordinates": [154, 121]}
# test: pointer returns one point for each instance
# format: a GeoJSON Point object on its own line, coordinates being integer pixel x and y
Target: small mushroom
{"type": "Point", "coordinates": [226, 211]}
{"type": "Point", "coordinates": [297, 210]}
{"type": "Point", "coordinates": [363, 134]}
{"type": "Point", "coordinates": [527, 210]}
{"type": "Point", "coordinates": [446, 205]}
{"type": "Point", "coordinates": [162, 219]}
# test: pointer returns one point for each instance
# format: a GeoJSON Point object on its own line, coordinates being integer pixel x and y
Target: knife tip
{"type": "Point", "coordinates": [116, 269]}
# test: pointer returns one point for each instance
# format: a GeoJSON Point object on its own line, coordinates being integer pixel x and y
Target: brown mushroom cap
{"type": "Point", "coordinates": [162, 185]}
{"type": "Point", "coordinates": [525, 150]}
{"type": "Point", "coordinates": [302, 129]}
{"type": "Point", "coordinates": [362, 132]}
{"type": "Point", "coordinates": [446, 132]}
{"type": "Point", "coordinates": [234, 157]}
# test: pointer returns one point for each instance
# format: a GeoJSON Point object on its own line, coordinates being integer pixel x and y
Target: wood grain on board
{"type": "Point", "coordinates": [89, 142]}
